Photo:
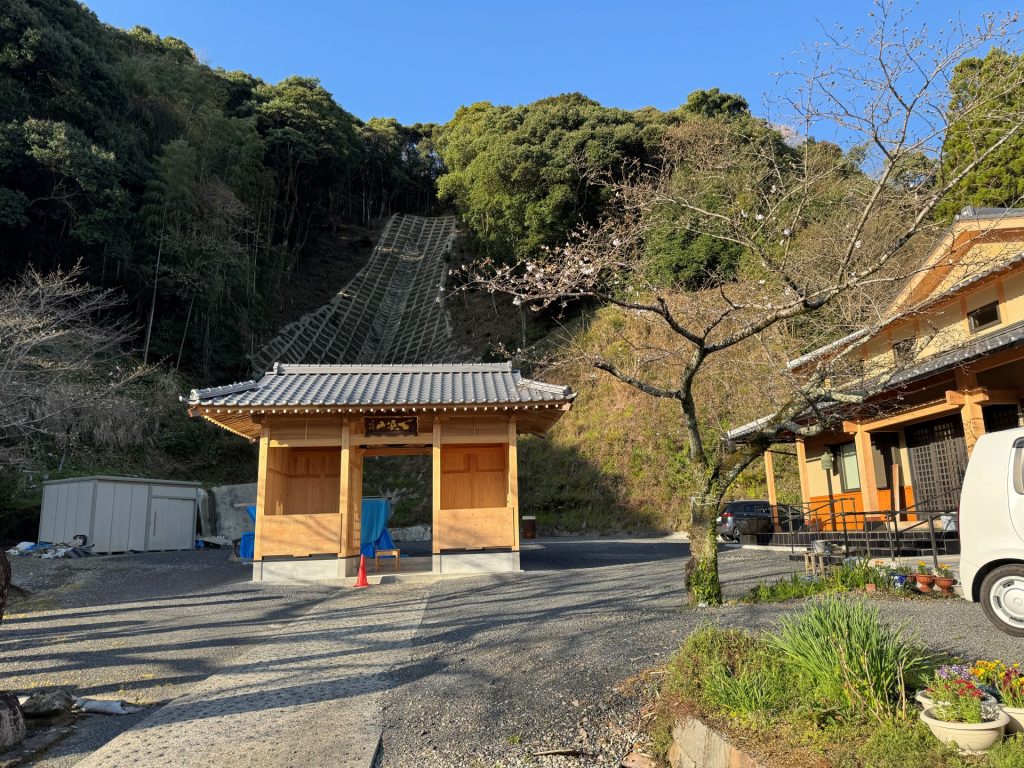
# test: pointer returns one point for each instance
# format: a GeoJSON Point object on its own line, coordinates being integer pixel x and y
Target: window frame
{"type": "Point", "coordinates": [837, 459]}
{"type": "Point", "coordinates": [973, 327]}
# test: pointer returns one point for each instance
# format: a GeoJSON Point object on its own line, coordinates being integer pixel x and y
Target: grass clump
{"type": "Point", "coordinates": [1007, 754]}
{"type": "Point", "coordinates": [850, 663]}
{"type": "Point", "coordinates": [733, 674]}
{"type": "Point", "coordinates": [897, 745]}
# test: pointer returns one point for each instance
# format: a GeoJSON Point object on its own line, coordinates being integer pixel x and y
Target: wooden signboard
{"type": "Point", "coordinates": [390, 426]}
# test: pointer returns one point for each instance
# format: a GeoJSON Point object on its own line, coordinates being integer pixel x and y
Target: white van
{"type": "Point", "coordinates": [992, 529]}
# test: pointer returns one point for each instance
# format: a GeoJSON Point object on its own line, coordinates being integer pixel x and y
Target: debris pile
{"type": "Point", "coordinates": [47, 551]}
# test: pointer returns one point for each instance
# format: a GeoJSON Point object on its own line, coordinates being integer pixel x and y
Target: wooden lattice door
{"type": "Point", "coordinates": [938, 459]}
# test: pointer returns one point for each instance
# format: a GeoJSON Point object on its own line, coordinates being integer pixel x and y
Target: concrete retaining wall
{"type": "Point", "coordinates": [695, 745]}
{"type": "Point", "coordinates": [227, 515]}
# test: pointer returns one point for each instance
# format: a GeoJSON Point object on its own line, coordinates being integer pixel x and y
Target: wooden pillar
{"type": "Point", "coordinates": [973, 418]}
{"type": "Point", "coordinates": [344, 504]}
{"type": "Point", "coordinates": [971, 414]}
{"type": "Point", "coordinates": [513, 481]}
{"type": "Point", "coordinates": [866, 468]}
{"type": "Point", "coordinates": [355, 495]}
{"type": "Point", "coordinates": [435, 454]}
{"type": "Point", "coordinates": [261, 491]}
{"type": "Point", "coordinates": [802, 468]}
{"type": "Point", "coordinates": [769, 477]}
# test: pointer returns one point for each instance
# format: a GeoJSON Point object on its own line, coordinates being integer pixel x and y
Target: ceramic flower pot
{"type": "Point", "coordinates": [971, 738]}
{"type": "Point", "coordinates": [945, 584]}
{"type": "Point", "coordinates": [899, 580]}
{"type": "Point", "coordinates": [1016, 715]}
{"type": "Point", "coordinates": [924, 581]}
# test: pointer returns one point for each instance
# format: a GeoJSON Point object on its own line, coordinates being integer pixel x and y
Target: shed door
{"type": "Point", "coordinates": [172, 523]}
{"type": "Point", "coordinates": [938, 460]}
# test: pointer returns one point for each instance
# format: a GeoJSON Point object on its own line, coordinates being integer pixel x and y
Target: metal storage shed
{"type": "Point", "coordinates": [120, 514]}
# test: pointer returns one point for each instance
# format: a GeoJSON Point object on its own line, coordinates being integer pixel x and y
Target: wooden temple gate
{"type": "Point", "coordinates": [309, 496]}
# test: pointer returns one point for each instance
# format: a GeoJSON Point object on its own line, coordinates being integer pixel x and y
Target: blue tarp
{"type": "Point", "coordinates": [374, 534]}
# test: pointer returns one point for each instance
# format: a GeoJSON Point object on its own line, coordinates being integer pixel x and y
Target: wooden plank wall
{"type": "Point", "coordinates": [475, 528]}
{"type": "Point", "coordinates": [298, 535]}
{"type": "Point", "coordinates": [474, 476]}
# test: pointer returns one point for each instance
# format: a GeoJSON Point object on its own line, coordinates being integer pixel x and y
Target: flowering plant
{"type": "Point", "coordinates": [944, 572]}
{"type": "Point", "coordinates": [956, 700]}
{"type": "Point", "coordinates": [1011, 687]}
{"type": "Point", "coordinates": [988, 672]}
{"type": "Point", "coordinates": [957, 696]}
{"type": "Point", "coordinates": [923, 569]}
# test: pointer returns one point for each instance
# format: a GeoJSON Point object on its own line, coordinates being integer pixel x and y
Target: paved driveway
{"type": "Point", "coordinates": [480, 671]}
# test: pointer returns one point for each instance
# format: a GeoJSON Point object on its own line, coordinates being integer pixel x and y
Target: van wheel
{"type": "Point", "coordinates": [1002, 597]}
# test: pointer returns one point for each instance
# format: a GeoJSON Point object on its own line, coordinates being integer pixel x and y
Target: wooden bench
{"type": "Point", "coordinates": [816, 563]}
{"type": "Point", "coordinates": [395, 553]}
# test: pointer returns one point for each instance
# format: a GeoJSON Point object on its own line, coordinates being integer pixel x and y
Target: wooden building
{"type": "Point", "coordinates": [944, 366]}
{"type": "Point", "coordinates": [316, 423]}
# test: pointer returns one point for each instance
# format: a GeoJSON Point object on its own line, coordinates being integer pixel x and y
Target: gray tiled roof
{"type": "Point", "coordinates": [856, 336]}
{"type": "Point", "coordinates": [970, 212]}
{"type": "Point", "coordinates": [1007, 338]}
{"type": "Point", "coordinates": [364, 385]}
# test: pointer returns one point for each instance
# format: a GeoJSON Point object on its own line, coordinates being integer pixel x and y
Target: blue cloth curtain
{"type": "Point", "coordinates": [374, 534]}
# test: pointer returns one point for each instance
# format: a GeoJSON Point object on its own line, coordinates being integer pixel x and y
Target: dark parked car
{"type": "Point", "coordinates": [752, 516]}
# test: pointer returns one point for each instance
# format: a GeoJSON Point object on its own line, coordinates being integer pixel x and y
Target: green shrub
{"type": "Point", "coordinates": [851, 666]}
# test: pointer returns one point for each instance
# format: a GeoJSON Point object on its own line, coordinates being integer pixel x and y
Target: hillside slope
{"type": "Point", "coordinates": [617, 460]}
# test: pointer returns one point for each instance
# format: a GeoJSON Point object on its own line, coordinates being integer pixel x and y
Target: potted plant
{"type": "Point", "coordinates": [960, 712]}
{"type": "Point", "coordinates": [1011, 691]}
{"type": "Point", "coordinates": [976, 674]}
{"type": "Point", "coordinates": [924, 577]}
{"type": "Point", "coordinates": [901, 576]}
{"type": "Point", "coordinates": [944, 579]}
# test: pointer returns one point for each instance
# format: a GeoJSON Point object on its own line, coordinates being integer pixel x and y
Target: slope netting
{"type": "Point", "coordinates": [390, 312]}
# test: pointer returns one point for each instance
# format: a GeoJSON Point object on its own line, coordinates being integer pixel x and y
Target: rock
{"type": "Point", "coordinates": [12, 724]}
{"type": "Point", "coordinates": [47, 703]}
{"type": "Point", "coordinates": [412, 533]}
{"type": "Point", "coordinates": [637, 760]}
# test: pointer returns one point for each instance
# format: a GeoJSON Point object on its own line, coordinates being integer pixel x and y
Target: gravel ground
{"type": "Point", "coordinates": [506, 669]}
{"type": "Point", "coordinates": [144, 628]}
{"type": "Point", "coordinates": [501, 668]}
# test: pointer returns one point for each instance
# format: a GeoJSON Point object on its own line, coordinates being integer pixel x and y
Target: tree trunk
{"type": "Point", "coordinates": [184, 333]}
{"type": "Point", "coordinates": [156, 280]}
{"type": "Point", "coordinates": [5, 582]}
{"type": "Point", "coordinates": [703, 586]}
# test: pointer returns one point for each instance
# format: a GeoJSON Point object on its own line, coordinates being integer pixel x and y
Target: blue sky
{"type": "Point", "coordinates": [420, 61]}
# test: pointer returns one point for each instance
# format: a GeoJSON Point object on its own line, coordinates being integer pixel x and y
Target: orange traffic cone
{"type": "Point", "coordinates": [361, 578]}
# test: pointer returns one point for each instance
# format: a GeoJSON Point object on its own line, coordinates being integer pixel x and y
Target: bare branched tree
{"type": "Point", "coordinates": [827, 229]}
{"type": "Point", "coordinates": [62, 366]}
